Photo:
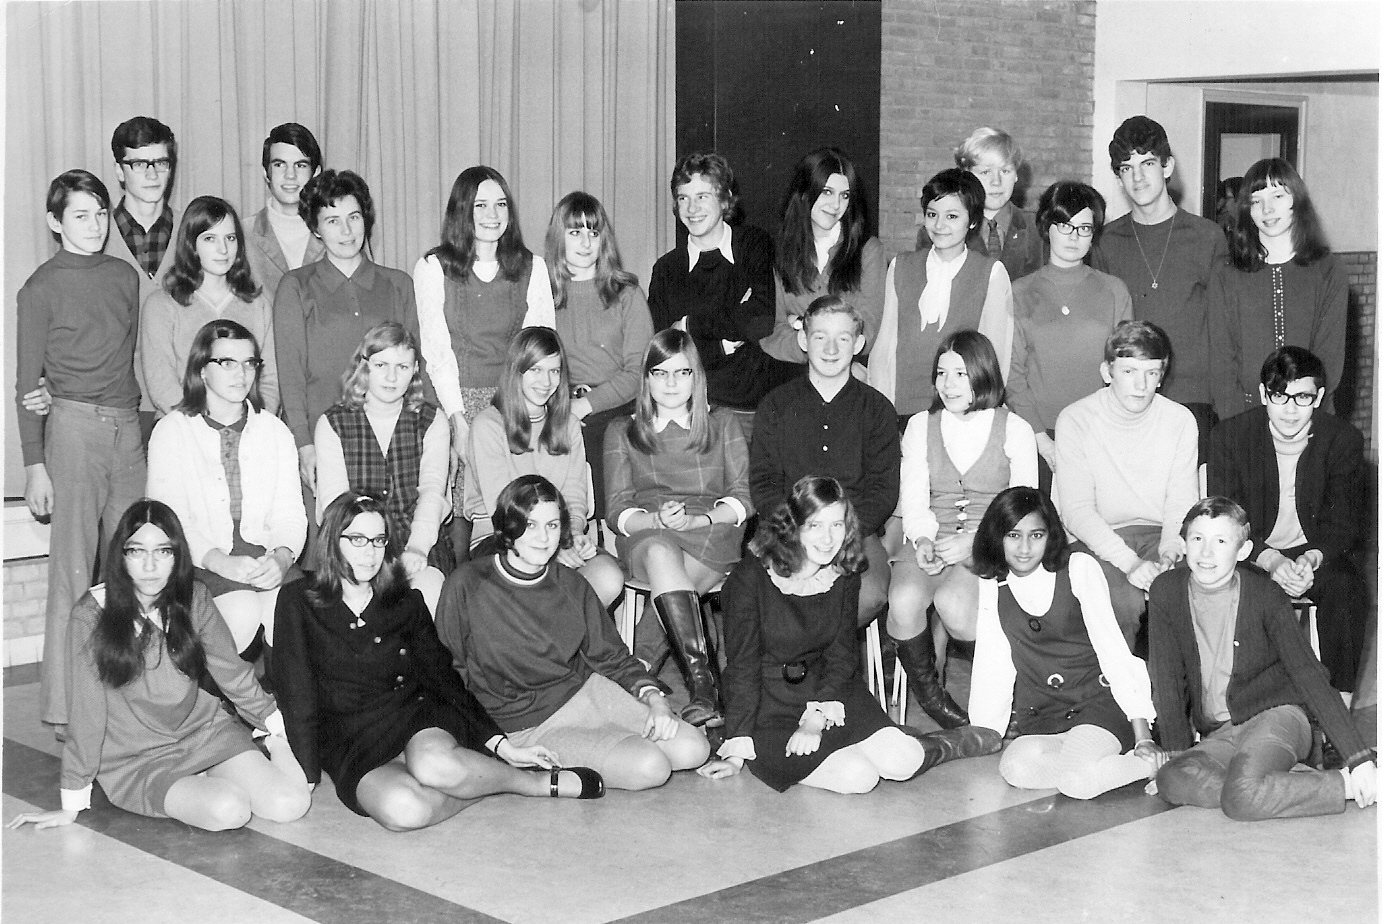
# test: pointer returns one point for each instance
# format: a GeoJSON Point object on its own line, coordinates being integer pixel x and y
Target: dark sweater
{"type": "Point", "coordinates": [77, 324]}
{"type": "Point", "coordinates": [1273, 665]}
{"type": "Point", "coordinates": [853, 438]}
{"type": "Point", "coordinates": [1242, 466]}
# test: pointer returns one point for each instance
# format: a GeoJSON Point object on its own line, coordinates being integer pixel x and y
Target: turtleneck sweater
{"type": "Point", "coordinates": [1116, 469]}
{"type": "Point", "coordinates": [1287, 532]}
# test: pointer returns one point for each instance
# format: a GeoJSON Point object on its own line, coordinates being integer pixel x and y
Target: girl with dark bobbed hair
{"type": "Point", "coordinates": [931, 294]}
{"type": "Point", "coordinates": [228, 468]}
{"type": "Point", "coordinates": [210, 278]}
{"type": "Point", "coordinates": [149, 658]}
{"type": "Point", "coordinates": [1050, 657]}
{"type": "Point", "coordinates": [824, 248]}
{"type": "Point", "coordinates": [1282, 286]}
{"type": "Point", "coordinates": [1062, 315]}
{"type": "Point", "coordinates": [796, 708]}
{"type": "Point", "coordinates": [535, 645]}
{"type": "Point", "coordinates": [369, 695]}
{"type": "Point", "coordinates": [679, 497]}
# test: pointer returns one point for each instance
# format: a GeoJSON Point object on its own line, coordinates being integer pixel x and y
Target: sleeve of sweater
{"type": "Point", "coordinates": [436, 663]}
{"type": "Point", "coordinates": [883, 358]}
{"type": "Point", "coordinates": [881, 458]}
{"type": "Point", "coordinates": [747, 313]}
{"type": "Point", "coordinates": [734, 450]}
{"type": "Point", "coordinates": [660, 309]}
{"type": "Point", "coordinates": [488, 465]}
{"type": "Point", "coordinates": [1183, 489]}
{"type": "Point", "coordinates": [1222, 305]}
{"type": "Point", "coordinates": [290, 342]}
{"type": "Point", "coordinates": [1337, 523]}
{"type": "Point", "coordinates": [636, 329]}
{"type": "Point", "coordinates": [991, 684]}
{"type": "Point", "coordinates": [1330, 319]}
{"type": "Point", "coordinates": [915, 483]}
{"type": "Point", "coordinates": [996, 317]}
{"type": "Point", "coordinates": [233, 675]}
{"type": "Point", "coordinates": [1075, 491]}
{"type": "Point", "coordinates": [162, 377]}
{"type": "Point", "coordinates": [767, 473]}
{"type": "Point", "coordinates": [869, 299]}
{"type": "Point", "coordinates": [429, 289]}
{"type": "Point", "coordinates": [34, 316]}
{"type": "Point", "coordinates": [269, 373]}
{"type": "Point", "coordinates": [741, 679]}
{"type": "Point", "coordinates": [1020, 445]}
{"type": "Point", "coordinates": [432, 486]}
{"type": "Point", "coordinates": [1020, 397]}
{"type": "Point", "coordinates": [295, 680]}
{"type": "Point", "coordinates": [1168, 620]}
{"type": "Point", "coordinates": [332, 480]}
{"type": "Point", "coordinates": [574, 477]}
{"type": "Point", "coordinates": [287, 518]}
{"type": "Point", "coordinates": [86, 710]}
{"type": "Point", "coordinates": [1127, 675]}
{"type": "Point", "coordinates": [619, 473]}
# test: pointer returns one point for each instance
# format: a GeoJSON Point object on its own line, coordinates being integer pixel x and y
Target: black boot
{"type": "Point", "coordinates": [918, 658]}
{"type": "Point", "coordinates": [956, 744]}
{"type": "Point", "coordinates": [680, 613]}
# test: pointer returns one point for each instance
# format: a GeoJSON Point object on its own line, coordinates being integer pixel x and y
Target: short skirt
{"type": "Point", "coordinates": [716, 546]}
{"type": "Point", "coordinates": [140, 783]}
{"type": "Point", "coordinates": [863, 718]}
{"type": "Point", "coordinates": [588, 726]}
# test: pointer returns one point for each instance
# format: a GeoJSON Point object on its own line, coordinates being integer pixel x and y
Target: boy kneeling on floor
{"type": "Point", "coordinates": [1228, 656]}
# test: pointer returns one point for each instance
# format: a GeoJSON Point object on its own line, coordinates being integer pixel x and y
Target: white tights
{"type": "Point", "coordinates": [1080, 763]}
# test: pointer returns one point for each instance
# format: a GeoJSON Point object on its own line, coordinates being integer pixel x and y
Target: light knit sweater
{"type": "Point", "coordinates": [1117, 469]}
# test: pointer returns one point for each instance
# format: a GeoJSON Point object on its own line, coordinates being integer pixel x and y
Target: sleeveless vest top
{"type": "Point", "coordinates": [482, 317]}
{"type": "Point", "coordinates": [391, 477]}
{"type": "Point", "coordinates": [959, 499]}
{"type": "Point", "coordinates": [914, 389]}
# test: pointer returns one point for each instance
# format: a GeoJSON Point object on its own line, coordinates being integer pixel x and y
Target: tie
{"type": "Point", "coordinates": [995, 244]}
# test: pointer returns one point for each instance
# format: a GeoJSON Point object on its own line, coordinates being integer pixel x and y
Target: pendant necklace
{"type": "Point", "coordinates": [1170, 228]}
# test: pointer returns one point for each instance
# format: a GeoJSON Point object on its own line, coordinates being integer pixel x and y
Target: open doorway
{"type": "Point", "coordinates": [1238, 134]}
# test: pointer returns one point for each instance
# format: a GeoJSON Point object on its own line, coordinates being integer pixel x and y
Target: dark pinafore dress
{"type": "Point", "coordinates": [1059, 684]}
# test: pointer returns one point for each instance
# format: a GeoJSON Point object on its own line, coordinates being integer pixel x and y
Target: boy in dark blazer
{"type": "Point", "coordinates": [1228, 659]}
{"type": "Point", "coordinates": [1297, 472]}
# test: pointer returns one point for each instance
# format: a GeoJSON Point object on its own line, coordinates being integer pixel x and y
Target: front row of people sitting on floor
{"type": "Point", "coordinates": [524, 669]}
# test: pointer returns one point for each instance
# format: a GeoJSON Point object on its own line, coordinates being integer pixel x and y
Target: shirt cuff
{"type": "Point", "coordinates": [733, 503]}
{"type": "Point", "coordinates": [741, 747]}
{"type": "Point", "coordinates": [834, 712]}
{"type": "Point", "coordinates": [76, 800]}
{"type": "Point", "coordinates": [274, 723]}
{"type": "Point", "coordinates": [624, 518]}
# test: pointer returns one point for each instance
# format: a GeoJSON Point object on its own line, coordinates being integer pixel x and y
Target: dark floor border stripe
{"type": "Point", "coordinates": [816, 891]}
{"type": "Point", "coordinates": [299, 880]}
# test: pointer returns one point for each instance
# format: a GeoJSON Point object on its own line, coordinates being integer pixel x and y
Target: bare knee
{"type": "Point", "coordinates": [285, 803]}
{"type": "Point", "coordinates": [605, 577]}
{"type": "Point", "coordinates": [689, 749]}
{"type": "Point", "coordinates": [637, 764]}
{"type": "Point", "coordinates": [845, 772]}
{"type": "Point", "coordinates": [399, 808]}
{"type": "Point", "coordinates": [225, 810]}
{"type": "Point", "coordinates": [437, 768]}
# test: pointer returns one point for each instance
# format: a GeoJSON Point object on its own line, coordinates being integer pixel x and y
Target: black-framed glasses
{"type": "Point", "coordinates": [662, 375]}
{"type": "Point", "coordinates": [140, 165]}
{"type": "Point", "coordinates": [163, 553]}
{"type": "Point", "coordinates": [360, 541]}
{"type": "Point", "coordinates": [230, 364]}
{"type": "Point", "coordinates": [1300, 399]}
{"type": "Point", "coordinates": [1065, 227]}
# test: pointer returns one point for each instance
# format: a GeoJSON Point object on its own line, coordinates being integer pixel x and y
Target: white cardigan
{"type": "Point", "coordinates": [185, 472]}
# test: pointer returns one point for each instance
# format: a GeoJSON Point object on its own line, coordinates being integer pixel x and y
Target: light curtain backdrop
{"type": "Point", "coordinates": [556, 94]}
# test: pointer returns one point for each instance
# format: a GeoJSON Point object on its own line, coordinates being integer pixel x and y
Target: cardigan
{"type": "Point", "coordinates": [267, 261]}
{"type": "Point", "coordinates": [1242, 465]}
{"type": "Point", "coordinates": [524, 648]}
{"type": "Point", "coordinates": [186, 473]}
{"type": "Point", "coordinates": [1273, 664]}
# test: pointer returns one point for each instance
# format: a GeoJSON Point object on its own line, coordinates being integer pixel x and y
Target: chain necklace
{"type": "Point", "coordinates": [1134, 225]}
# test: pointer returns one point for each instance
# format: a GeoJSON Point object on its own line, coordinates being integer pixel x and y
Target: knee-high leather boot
{"type": "Point", "coordinates": [918, 658]}
{"type": "Point", "coordinates": [680, 613]}
{"type": "Point", "coordinates": [957, 744]}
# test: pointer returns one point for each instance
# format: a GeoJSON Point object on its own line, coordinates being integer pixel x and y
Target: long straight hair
{"type": "Point", "coordinates": [324, 585]}
{"type": "Point", "coordinates": [665, 345]}
{"type": "Point", "coordinates": [529, 347]}
{"type": "Point", "coordinates": [1246, 250]}
{"type": "Point", "coordinates": [185, 276]}
{"type": "Point", "coordinates": [456, 252]}
{"type": "Point", "coordinates": [582, 210]}
{"type": "Point", "coordinates": [795, 261]}
{"type": "Point", "coordinates": [118, 647]}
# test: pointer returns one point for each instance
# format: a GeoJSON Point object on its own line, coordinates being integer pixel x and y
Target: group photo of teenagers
{"type": "Point", "coordinates": [721, 491]}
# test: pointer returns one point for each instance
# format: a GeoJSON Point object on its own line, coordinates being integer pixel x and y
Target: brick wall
{"type": "Point", "coordinates": [1358, 380]}
{"type": "Point", "coordinates": [25, 593]}
{"type": "Point", "coordinates": [951, 66]}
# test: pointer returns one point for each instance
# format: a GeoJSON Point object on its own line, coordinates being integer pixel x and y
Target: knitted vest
{"type": "Point", "coordinates": [914, 388]}
{"type": "Point", "coordinates": [482, 317]}
{"type": "Point", "coordinates": [1057, 662]}
{"type": "Point", "coordinates": [391, 477]}
{"type": "Point", "coordinates": [972, 490]}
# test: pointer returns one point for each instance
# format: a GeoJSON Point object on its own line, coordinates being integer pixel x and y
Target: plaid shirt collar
{"type": "Point", "coordinates": [149, 246]}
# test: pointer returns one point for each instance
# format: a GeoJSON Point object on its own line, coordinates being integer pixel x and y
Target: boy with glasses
{"type": "Point", "coordinates": [77, 325]}
{"type": "Point", "coordinates": [1298, 474]}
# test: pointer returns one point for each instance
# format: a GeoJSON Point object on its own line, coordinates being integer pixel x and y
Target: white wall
{"type": "Point", "coordinates": [1204, 42]}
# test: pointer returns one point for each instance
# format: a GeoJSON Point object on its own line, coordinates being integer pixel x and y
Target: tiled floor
{"type": "Point", "coordinates": [955, 845]}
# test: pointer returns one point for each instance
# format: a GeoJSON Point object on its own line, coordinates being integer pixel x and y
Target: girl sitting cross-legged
{"type": "Point", "coordinates": [369, 694]}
